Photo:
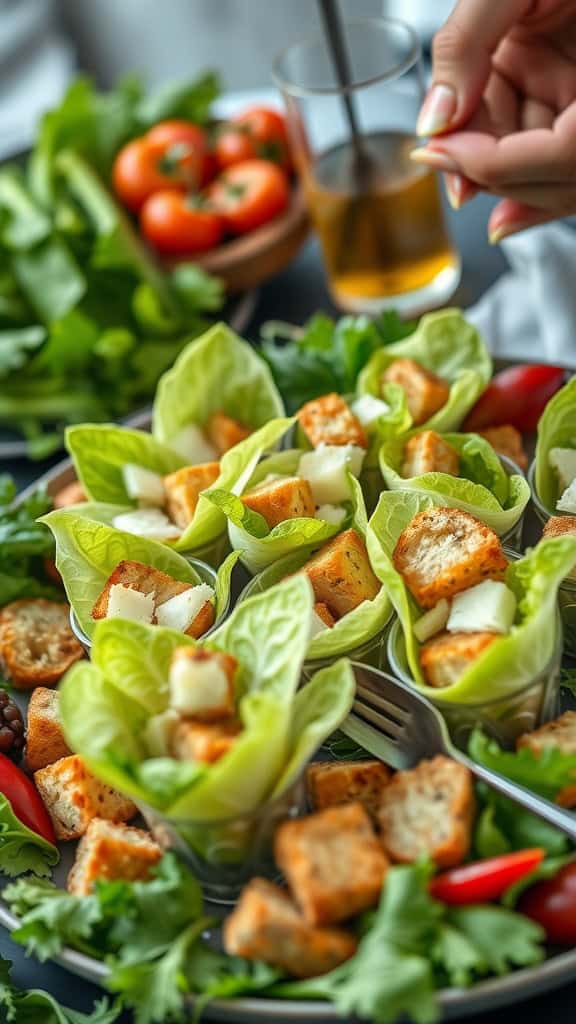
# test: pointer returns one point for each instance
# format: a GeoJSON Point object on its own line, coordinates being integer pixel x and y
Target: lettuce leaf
{"type": "Point", "coordinates": [446, 344]}
{"type": "Point", "coordinates": [556, 429]}
{"type": "Point", "coordinates": [511, 661]}
{"type": "Point", "coordinates": [483, 488]}
{"type": "Point", "coordinates": [217, 372]}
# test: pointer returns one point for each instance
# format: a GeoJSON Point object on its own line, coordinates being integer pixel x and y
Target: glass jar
{"type": "Point", "coordinates": [567, 591]}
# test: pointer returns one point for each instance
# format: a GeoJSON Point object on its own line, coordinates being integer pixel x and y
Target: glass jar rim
{"type": "Point", "coordinates": [288, 85]}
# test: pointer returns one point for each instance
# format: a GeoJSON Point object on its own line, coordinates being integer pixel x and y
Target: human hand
{"type": "Point", "coordinates": [504, 92]}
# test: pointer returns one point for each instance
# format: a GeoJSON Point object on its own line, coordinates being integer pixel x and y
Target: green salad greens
{"type": "Point", "coordinates": [89, 548]}
{"type": "Point", "coordinates": [218, 372]}
{"type": "Point", "coordinates": [38, 1007]}
{"type": "Point", "coordinates": [22, 850]}
{"type": "Point", "coordinates": [556, 429]}
{"type": "Point", "coordinates": [105, 706]}
{"type": "Point", "coordinates": [447, 345]}
{"type": "Point", "coordinates": [483, 487]}
{"type": "Point", "coordinates": [88, 320]}
{"type": "Point", "coordinates": [512, 660]}
{"type": "Point", "coordinates": [24, 546]}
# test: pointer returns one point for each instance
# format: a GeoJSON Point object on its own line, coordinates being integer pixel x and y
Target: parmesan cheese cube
{"type": "Point", "coordinates": [159, 731]}
{"type": "Point", "coordinates": [147, 522]}
{"type": "Point", "coordinates": [143, 485]}
{"type": "Point", "coordinates": [191, 444]}
{"type": "Point", "coordinates": [180, 611]}
{"type": "Point", "coordinates": [126, 603]}
{"type": "Point", "coordinates": [432, 622]}
{"type": "Point", "coordinates": [331, 514]}
{"type": "Point", "coordinates": [567, 503]}
{"type": "Point", "coordinates": [202, 683]}
{"type": "Point", "coordinates": [563, 462]}
{"type": "Point", "coordinates": [325, 469]}
{"type": "Point", "coordinates": [489, 607]}
{"type": "Point", "coordinates": [367, 409]}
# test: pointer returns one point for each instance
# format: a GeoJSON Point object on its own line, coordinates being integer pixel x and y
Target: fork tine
{"type": "Point", "coordinates": [379, 702]}
{"type": "Point", "coordinates": [393, 730]}
{"type": "Point", "coordinates": [373, 741]}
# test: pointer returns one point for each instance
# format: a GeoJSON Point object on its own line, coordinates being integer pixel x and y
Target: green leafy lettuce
{"type": "Point", "coordinates": [106, 705]}
{"type": "Point", "coordinates": [21, 849]}
{"type": "Point", "coordinates": [556, 429]}
{"type": "Point", "coordinates": [249, 532]}
{"type": "Point", "coordinates": [38, 1007]}
{"type": "Point", "coordinates": [24, 545]}
{"type": "Point", "coordinates": [483, 487]}
{"type": "Point", "coordinates": [218, 372]}
{"type": "Point", "coordinates": [447, 345]}
{"type": "Point", "coordinates": [88, 549]}
{"type": "Point", "coordinates": [511, 661]}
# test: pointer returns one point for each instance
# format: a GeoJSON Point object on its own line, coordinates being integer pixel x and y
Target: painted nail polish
{"type": "Point", "coordinates": [437, 110]}
{"type": "Point", "coordinates": [454, 185]}
{"type": "Point", "coordinates": [434, 158]}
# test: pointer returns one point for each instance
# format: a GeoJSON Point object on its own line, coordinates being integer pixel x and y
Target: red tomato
{"type": "Point", "coordinates": [25, 800]}
{"type": "Point", "coordinates": [174, 224]}
{"type": "Point", "coordinates": [249, 194]}
{"type": "Point", "coordinates": [552, 904]}
{"type": "Point", "coordinates": [517, 396]}
{"type": "Point", "coordinates": [484, 880]}
{"type": "Point", "coordinates": [257, 132]}
{"type": "Point", "coordinates": [186, 142]}
{"type": "Point", "coordinates": [144, 167]}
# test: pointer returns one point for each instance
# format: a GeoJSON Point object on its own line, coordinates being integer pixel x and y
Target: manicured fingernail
{"type": "Point", "coordinates": [454, 185]}
{"type": "Point", "coordinates": [434, 158]}
{"type": "Point", "coordinates": [495, 235]}
{"type": "Point", "coordinates": [437, 110]}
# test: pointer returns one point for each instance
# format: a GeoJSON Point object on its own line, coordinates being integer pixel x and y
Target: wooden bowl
{"type": "Point", "coordinates": [247, 261]}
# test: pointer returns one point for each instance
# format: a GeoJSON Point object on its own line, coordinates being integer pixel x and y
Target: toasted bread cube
{"type": "Point", "coordinates": [329, 420]}
{"type": "Point", "coordinates": [428, 812]}
{"type": "Point", "coordinates": [71, 494]}
{"type": "Point", "coordinates": [202, 683]}
{"type": "Point", "coordinates": [223, 432]}
{"type": "Point", "coordinates": [446, 657]}
{"type": "Point", "coordinates": [183, 489]}
{"type": "Point", "coordinates": [333, 863]}
{"type": "Point", "coordinates": [45, 741]}
{"type": "Point", "coordinates": [560, 733]}
{"type": "Point", "coordinates": [425, 392]}
{"type": "Point", "coordinates": [287, 498]}
{"type": "Point", "coordinates": [506, 440]}
{"type": "Point", "coordinates": [111, 852]}
{"type": "Point", "coordinates": [37, 645]}
{"type": "Point", "coordinates": [429, 453]}
{"type": "Point", "coordinates": [341, 574]}
{"type": "Point", "coordinates": [559, 526]}
{"type": "Point", "coordinates": [73, 797]}
{"type": "Point", "coordinates": [145, 579]}
{"type": "Point", "coordinates": [204, 741]}
{"type": "Point", "coordinates": [333, 784]}
{"type": "Point", "coordinates": [265, 925]}
{"type": "Point", "coordinates": [323, 612]}
{"type": "Point", "coordinates": [443, 551]}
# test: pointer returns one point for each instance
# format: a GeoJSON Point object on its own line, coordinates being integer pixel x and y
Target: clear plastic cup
{"type": "Point", "coordinates": [540, 509]}
{"type": "Point", "coordinates": [513, 538]}
{"type": "Point", "coordinates": [567, 591]}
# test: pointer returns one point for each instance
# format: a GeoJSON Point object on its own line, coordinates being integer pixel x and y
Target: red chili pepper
{"type": "Point", "coordinates": [25, 800]}
{"type": "Point", "coordinates": [484, 880]}
{"type": "Point", "coordinates": [517, 396]}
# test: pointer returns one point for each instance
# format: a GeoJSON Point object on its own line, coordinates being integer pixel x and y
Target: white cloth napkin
{"type": "Point", "coordinates": [530, 313]}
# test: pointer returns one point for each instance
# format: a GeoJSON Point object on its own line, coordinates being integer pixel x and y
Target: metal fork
{"type": "Point", "coordinates": [400, 726]}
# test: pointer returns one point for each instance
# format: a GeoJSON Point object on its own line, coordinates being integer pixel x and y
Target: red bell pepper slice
{"type": "Point", "coordinates": [25, 800]}
{"type": "Point", "coordinates": [484, 880]}
{"type": "Point", "coordinates": [517, 396]}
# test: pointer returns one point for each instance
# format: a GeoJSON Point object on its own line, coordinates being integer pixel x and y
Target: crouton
{"type": "Point", "coordinates": [73, 797]}
{"type": "Point", "coordinates": [71, 494]}
{"type": "Point", "coordinates": [446, 657]}
{"type": "Point", "coordinates": [45, 741]}
{"type": "Point", "coordinates": [37, 645]}
{"type": "Point", "coordinates": [203, 741]}
{"type": "Point", "coordinates": [506, 440]}
{"type": "Point", "coordinates": [265, 925]}
{"type": "Point", "coordinates": [223, 432]}
{"type": "Point", "coordinates": [112, 852]}
{"type": "Point", "coordinates": [429, 453]}
{"type": "Point", "coordinates": [183, 488]}
{"type": "Point", "coordinates": [428, 812]}
{"type": "Point", "coordinates": [443, 551]}
{"type": "Point", "coordinates": [140, 577]}
{"type": "Point", "coordinates": [560, 733]}
{"type": "Point", "coordinates": [341, 574]}
{"type": "Point", "coordinates": [287, 498]}
{"type": "Point", "coordinates": [333, 863]}
{"type": "Point", "coordinates": [332, 784]}
{"type": "Point", "coordinates": [323, 612]}
{"type": "Point", "coordinates": [329, 420]}
{"type": "Point", "coordinates": [425, 392]}
{"type": "Point", "coordinates": [202, 683]}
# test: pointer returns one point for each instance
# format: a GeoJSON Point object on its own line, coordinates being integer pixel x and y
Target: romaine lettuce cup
{"type": "Point", "coordinates": [106, 705]}
{"type": "Point", "coordinates": [361, 634]}
{"type": "Point", "coordinates": [260, 546]}
{"type": "Point", "coordinates": [217, 372]}
{"type": "Point", "coordinates": [100, 452]}
{"type": "Point", "coordinates": [89, 548]}
{"type": "Point", "coordinates": [447, 345]}
{"type": "Point", "coordinates": [490, 487]}
{"type": "Point", "coordinates": [556, 429]}
{"type": "Point", "coordinates": [511, 662]}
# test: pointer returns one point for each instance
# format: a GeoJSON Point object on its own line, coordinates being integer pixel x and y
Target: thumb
{"type": "Point", "coordinates": [462, 60]}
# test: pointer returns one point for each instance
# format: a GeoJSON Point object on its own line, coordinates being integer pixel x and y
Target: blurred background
{"type": "Point", "coordinates": [42, 43]}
